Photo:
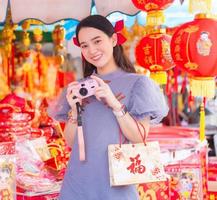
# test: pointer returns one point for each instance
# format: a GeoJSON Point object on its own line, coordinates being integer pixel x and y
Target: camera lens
{"type": "Point", "coordinates": [83, 91]}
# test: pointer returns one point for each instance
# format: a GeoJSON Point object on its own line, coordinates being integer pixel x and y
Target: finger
{"type": "Point", "coordinates": [98, 80]}
{"type": "Point", "coordinates": [98, 98]}
{"type": "Point", "coordinates": [100, 89]}
{"type": "Point", "coordinates": [100, 94]}
{"type": "Point", "coordinates": [73, 97]}
{"type": "Point", "coordinates": [73, 83]}
{"type": "Point", "coordinates": [73, 86]}
{"type": "Point", "coordinates": [70, 97]}
{"type": "Point", "coordinates": [71, 89]}
{"type": "Point", "coordinates": [72, 100]}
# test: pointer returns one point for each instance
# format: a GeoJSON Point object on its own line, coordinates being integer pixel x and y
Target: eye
{"type": "Point", "coordinates": [83, 46]}
{"type": "Point", "coordinates": [97, 41]}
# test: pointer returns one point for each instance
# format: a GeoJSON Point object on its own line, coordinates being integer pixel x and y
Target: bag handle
{"type": "Point", "coordinates": [140, 132]}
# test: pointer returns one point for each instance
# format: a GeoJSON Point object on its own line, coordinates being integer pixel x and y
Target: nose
{"type": "Point", "coordinates": [92, 49]}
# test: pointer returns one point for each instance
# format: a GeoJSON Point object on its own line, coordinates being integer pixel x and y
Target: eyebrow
{"type": "Point", "coordinates": [97, 37]}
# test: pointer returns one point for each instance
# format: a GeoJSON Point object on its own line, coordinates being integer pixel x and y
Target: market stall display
{"type": "Point", "coordinates": [7, 170]}
{"type": "Point", "coordinates": [185, 161]}
{"type": "Point", "coordinates": [33, 151]}
{"type": "Point", "coordinates": [35, 143]}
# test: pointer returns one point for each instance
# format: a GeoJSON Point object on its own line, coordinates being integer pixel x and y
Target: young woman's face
{"type": "Point", "coordinates": [96, 46]}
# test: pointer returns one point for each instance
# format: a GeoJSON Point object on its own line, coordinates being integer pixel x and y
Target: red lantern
{"type": "Point", "coordinates": [153, 53]}
{"type": "Point", "coordinates": [150, 5]}
{"type": "Point", "coordinates": [155, 15]}
{"type": "Point", "coordinates": [194, 50]}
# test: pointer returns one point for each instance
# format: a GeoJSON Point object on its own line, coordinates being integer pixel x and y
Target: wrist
{"type": "Point", "coordinates": [72, 112]}
{"type": "Point", "coordinates": [72, 117]}
{"type": "Point", "coordinates": [117, 107]}
{"type": "Point", "coordinates": [72, 120]}
{"type": "Point", "coordinates": [120, 112]}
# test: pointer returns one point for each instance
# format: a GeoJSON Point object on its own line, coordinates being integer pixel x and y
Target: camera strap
{"type": "Point", "coordinates": [80, 132]}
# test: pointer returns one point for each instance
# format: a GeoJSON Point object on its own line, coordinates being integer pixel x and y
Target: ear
{"type": "Point", "coordinates": [114, 39]}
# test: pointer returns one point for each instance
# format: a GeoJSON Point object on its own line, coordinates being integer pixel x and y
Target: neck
{"type": "Point", "coordinates": [103, 71]}
{"type": "Point", "coordinates": [107, 69]}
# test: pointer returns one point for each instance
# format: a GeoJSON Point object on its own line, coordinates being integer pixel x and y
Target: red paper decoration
{"type": "Point", "coordinates": [194, 50]}
{"type": "Point", "coordinates": [154, 9]}
{"type": "Point", "coordinates": [153, 53]}
{"type": "Point", "coordinates": [150, 5]}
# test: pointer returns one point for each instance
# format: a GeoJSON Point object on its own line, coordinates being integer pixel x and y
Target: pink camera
{"type": "Point", "coordinates": [86, 88]}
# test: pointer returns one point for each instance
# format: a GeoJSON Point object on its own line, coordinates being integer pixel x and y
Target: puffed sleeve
{"type": "Point", "coordinates": [147, 99]}
{"type": "Point", "coordinates": [59, 109]}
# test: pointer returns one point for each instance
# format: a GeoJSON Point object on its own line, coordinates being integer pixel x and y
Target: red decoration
{"type": "Point", "coordinates": [154, 191]}
{"type": "Point", "coordinates": [194, 49]}
{"type": "Point", "coordinates": [153, 53]}
{"type": "Point", "coordinates": [155, 15]}
{"type": "Point", "coordinates": [150, 5]}
{"type": "Point", "coordinates": [136, 166]}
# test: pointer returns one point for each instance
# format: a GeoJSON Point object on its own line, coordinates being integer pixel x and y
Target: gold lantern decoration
{"type": "Point", "coordinates": [26, 40]}
{"type": "Point", "coordinates": [58, 36]}
{"type": "Point", "coordinates": [38, 36]}
{"type": "Point", "coordinates": [8, 37]}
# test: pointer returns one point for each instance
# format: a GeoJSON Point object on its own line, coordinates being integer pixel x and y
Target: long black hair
{"type": "Point", "coordinates": [101, 23]}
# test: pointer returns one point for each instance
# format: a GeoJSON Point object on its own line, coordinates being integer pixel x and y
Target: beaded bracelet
{"type": "Point", "coordinates": [70, 118]}
{"type": "Point", "coordinates": [121, 112]}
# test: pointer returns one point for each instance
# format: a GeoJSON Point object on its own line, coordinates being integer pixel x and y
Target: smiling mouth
{"type": "Point", "coordinates": [95, 58]}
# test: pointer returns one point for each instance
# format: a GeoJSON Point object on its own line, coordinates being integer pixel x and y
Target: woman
{"type": "Point", "coordinates": [120, 95]}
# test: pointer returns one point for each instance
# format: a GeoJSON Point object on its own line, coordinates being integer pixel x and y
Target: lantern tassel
{"type": "Point", "coordinates": [202, 122]}
{"type": "Point", "coordinates": [28, 80]}
{"type": "Point", "coordinates": [155, 18]}
{"type": "Point", "coordinates": [8, 72]}
{"type": "Point", "coordinates": [203, 86]}
{"type": "Point", "coordinates": [203, 6]}
{"type": "Point", "coordinates": [160, 77]}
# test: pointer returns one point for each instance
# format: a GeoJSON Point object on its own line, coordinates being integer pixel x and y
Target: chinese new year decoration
{"type": "Point", "coordinates": [26, 40]}
{"type": "Point", "coordinates": [153, 53]}
{"type": "Point", "coordinates": [58, 36]}
{"type": "Point", "coordinates": [202, 6]}
{"type": "Point", "coordinates": [38, 36]}
{"type": "Point", "coordinates": [154, 9]}
{"type": "Point", "coordinates": [8, 38]}
{"type": "Point", "coordinates": [193, 48]}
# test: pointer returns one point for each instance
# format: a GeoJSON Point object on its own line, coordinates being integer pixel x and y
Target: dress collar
{"type": "Point", "coordinates": [110, 75]}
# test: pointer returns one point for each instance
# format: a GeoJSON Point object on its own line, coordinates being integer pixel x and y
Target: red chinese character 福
{"type": "Point", "coordinates": [136, 166]}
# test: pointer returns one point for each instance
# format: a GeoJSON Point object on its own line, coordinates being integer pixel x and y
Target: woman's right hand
{"type": "Point", "coordinates": [71, 98]}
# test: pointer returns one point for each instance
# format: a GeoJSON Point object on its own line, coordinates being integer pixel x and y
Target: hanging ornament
{"type": "Point", "coordinates": [58, 36]}
{"type": "Point", "coordinates": [153, 53]}
{"type": "Point", "coordinates": [37, 34]}
{"type": "Point", "coordinates": [193, 48]}
{"type": "Point", "coordinates": [201, 6]}
{"type": "Point", "coordinates": [137, 31]}
{"type": "Point", "coordinates": [8, 37]}
{"type": "Point", "coordinates": [26, 40]}
{"type": "Point", "coordinates": [154, 9]}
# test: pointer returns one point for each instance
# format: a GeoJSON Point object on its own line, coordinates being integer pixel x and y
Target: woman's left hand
{"type": "Point", "coordinates": [105, 92]}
